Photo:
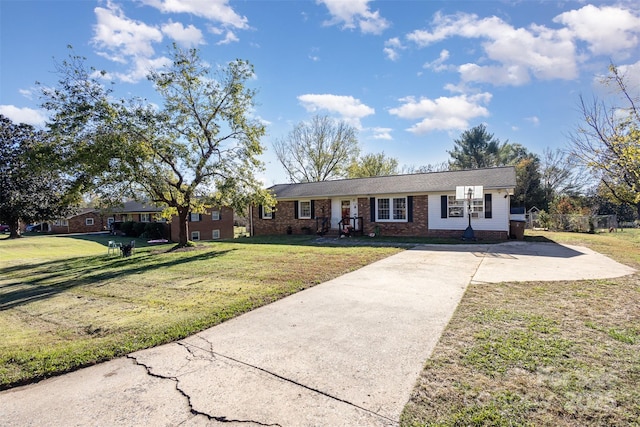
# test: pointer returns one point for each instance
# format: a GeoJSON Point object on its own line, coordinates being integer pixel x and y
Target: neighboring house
{"type": "Point", "coordinates": [135, 211]}
{"type": "Point", "coordinates": [87, 220]}
{"type": "Point", "coordinates": [215, 223]}
{"type": "Point", "coordinates": [401, 205]}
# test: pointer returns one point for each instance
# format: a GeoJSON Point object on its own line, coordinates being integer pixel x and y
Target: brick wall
{"type": "Point", "coordinates": [78, 224]}
{"type": "Point", "coordinates": [419, 227]}
{"type": "Point", "coordinates": [284, 217]}
{"type": "Point", "coordinates": [206, 225]}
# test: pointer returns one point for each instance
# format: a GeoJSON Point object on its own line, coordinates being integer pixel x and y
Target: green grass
{"type": "Point", "coordinates": [561, 353]}
{"type": "Point", "coordinates": [65, 304]}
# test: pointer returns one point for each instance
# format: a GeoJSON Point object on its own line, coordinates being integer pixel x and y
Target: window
{"type": "Point", "coordinates": [195, 236]}
{"type": "Point", "coordinates": [194, 217]}
{"type": "Point", "coordinates": [459, 208]}
{"type": "Point", "coordinates": [477, 208]}
{"type": "Point", "coordinates": [61, 222]}
{"type": "Point", "coordinates": [215, 215]}
{"type": "Point", "coordinates": [216, 234]}
{"type": "Point", "coordinates": [455, 208]}
{"type": "Point", "coordinates": [145, 217]}
{"type": "Point", "coordinates": [305, 209]}
{"type": "Point", "coordinates": [88, 221]}
{"type": "Point", "coordinates": [267, 212]}
{"type": "Point", "coordinates": [383, 209]}
{"type": "Point", "coordinates": [392, 209]}
{"type": "Point", "coordinates": [110, 221]}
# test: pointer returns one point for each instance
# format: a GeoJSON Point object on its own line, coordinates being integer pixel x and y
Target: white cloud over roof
{"type": "Point", "coordinates": [443, 113]}
{"type": "Point", "coordinates": [349, 108]}
{"type": "Point", "coordinates": [355, 14]}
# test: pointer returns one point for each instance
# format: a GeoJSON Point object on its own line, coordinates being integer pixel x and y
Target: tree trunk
{"type": "Point", "coordinates": [14, 229]}
{"type": "Point", "coordinates": [183, 235]}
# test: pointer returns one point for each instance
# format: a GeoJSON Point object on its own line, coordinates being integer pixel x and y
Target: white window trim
{"type": "Point", "coordinates": [145, 217]}
{"type": "Point", "coordinates": [195, 234]}
{"type": "Point", "coordinates": [194, 217]}
{"type": "Point", "coordinates": [267, 212]}
{"type": "Point", "coordinates": [89, 221]}
{"type": "Point", "coordinates": [300, 216]}
{"type": "Point", "coordinates": [215, 234]}
{"type": "Point", "coordinates": [456, 204]}
{"type": "Point", "coordinates": [215, 215]}
{"type": "Point", "coordinates": [391, 209]}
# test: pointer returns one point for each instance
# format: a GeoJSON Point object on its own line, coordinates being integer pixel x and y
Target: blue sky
{"type": "Point", "coordinates": [409, 75]}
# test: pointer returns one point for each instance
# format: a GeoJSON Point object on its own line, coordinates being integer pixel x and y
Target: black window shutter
{"type": "Point", "coordinates": [220, 214]}
{"type": "Point", "coordinates": [487, 206]}
{"type": "Point", "coordinates": [199, 217]}
{"type": "Point", "coordinates": [443, 206]}
{"type": "Point", "coordinates": [313, 209]}
{"type": "Point", "coordinates": [372, 207]}
{"type": "Point", "coordinates": [295, 209]}
{"type": "Point", "coordinates": [260, 211]}
{"type": "Point", "coordinates": [273, 212]}
{"type": "Point", "coordinates": [410, 209]}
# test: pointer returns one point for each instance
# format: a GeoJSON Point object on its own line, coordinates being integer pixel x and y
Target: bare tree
{"type": "Point", "coordinates": [607, 141]}
{"type": "Point", "coordinates": [318, 150]}
{"type": "Point", "coordinates": [561, 175]}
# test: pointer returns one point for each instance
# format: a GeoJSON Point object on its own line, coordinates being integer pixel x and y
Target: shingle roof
{"type": "Point", "coordinates": [491, 178]}
{"type": "Point", "coordinates": [134, 207]}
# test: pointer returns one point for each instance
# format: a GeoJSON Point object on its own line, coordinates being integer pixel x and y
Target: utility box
{"type": "Point", "coordinates": [516, 229]}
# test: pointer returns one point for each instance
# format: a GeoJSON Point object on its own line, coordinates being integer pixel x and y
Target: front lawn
{"type": "Point", "coordinates": [65, 304]}
{"type": "Point", "coordinates": [540, 353]}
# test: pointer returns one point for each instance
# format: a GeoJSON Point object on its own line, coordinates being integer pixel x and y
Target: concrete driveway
{"type": "Point", "coordinates": [344, 353]}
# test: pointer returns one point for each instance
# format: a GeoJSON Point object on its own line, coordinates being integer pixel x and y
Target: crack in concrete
{"type": "Point", "coordinates": [291, 381]}
{"type": "Point", "coordinates": [192, 410]}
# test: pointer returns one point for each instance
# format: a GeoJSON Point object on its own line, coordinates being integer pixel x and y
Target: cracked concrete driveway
{"type": "Point", "coordinates": [345, 352]}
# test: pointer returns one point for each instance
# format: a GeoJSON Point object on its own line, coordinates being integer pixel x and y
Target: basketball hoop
{"type": "Point", "coordinates": [469, 193]}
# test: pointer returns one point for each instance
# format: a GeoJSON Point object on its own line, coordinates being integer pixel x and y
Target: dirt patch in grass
{"type": "Point", "coordinates": [556, 353]}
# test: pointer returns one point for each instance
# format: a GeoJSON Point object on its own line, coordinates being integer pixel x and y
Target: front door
{"type": "Point", "coordinates": [345, 207]}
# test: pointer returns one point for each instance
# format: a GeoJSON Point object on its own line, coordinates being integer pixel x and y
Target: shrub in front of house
{"type": "Point", "coordinates": [127, 228]}
{"type": "Point", "coordinates": [154, 230]}
{"type": "Point", "coordinates": [138, 228]}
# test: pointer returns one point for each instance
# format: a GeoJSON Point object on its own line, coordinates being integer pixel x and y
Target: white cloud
{"type": "Point", "coordinates": [444, 113]}
{"type": "Point", "coordinates": [213, 10]}
{"type": "Point", "coordinates": [355, 14]}
{"type": "Point", "coordinates": [230, 37]}
{"type": "Point", "coordinates": [391, 48]}
{"type": "Point", "coordinates": [382, 133]}
{"type": "Point", "coordinates": [349, 108]}
{"type": "Point", "coordinates": [189, 36]}
{"type": "Point", "coordinates": [534, 120]}
{"type": "Point", "coordinates": [631, 74]}
{"type": "Point", "coordinates": [29, 116]}
{"type": "Point", "coordinates": [438, 64]}
{"type": "Point", "coordinates": [517, 53]}
{"type": "Point", "coordinates": [122, 36]}
{"type": "Point", "coordinates": [608, 30]}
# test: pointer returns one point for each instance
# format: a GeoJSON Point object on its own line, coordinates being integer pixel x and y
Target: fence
{"type": "Point", "coordinates": [577, 223]}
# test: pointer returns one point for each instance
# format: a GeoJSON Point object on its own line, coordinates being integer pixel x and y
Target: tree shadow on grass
{"type": "Point", "coordinates": [36, 282]}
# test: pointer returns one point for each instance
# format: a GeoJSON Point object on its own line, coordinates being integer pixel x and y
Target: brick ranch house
{"type": "Point", "coordinates": [422, 205]}
{"type": "Point", "coordinates": [213, 224]}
